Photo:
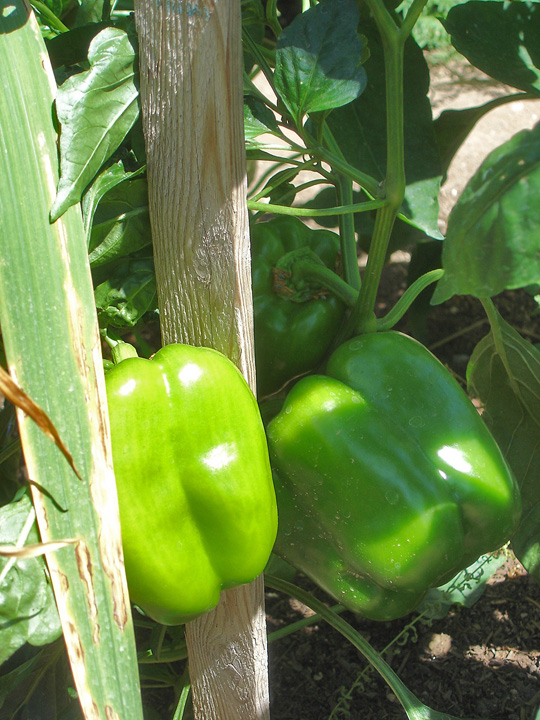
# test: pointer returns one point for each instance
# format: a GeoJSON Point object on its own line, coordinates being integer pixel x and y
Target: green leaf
{"type": "Point", "coordinates": [360, 130]}
{"type": "Point", "coordinates": [258, 119]}
{"type": "Point", "coordinates": [128, 293]}
{"type": "Point", "coordinates": [28, 611]}
{"type": "Point", "coordinates": [71, 48]}
{"type": "Point", "coordinates": [464, 589]}
{"type": "Point", "coordinates": [51, 339]}
{"type": "Point", "coordinates": [453, 126]}
{"type": "Point", "coordinates": [504, 372]}
{"type": "Point", "coordinates": [499, 38]}
{"type": "Point", "coordinates": [92, 11]}
{"type": "Point", "coordinates": [318, 59]}
{"type": "Point", "coordinates": [121, 223]}
{"type": "Point", "coordinates": [107, 180]}
{"type": "Point", "coordinates": [96, 110]}
{"type": "Point", "coordinates": [493, 237]}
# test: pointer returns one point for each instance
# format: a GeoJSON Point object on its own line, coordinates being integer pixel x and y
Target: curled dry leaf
{"type": "Point", "coordinates": [32, 551]}
{"type": "Point", "coordinates": [21, 400]}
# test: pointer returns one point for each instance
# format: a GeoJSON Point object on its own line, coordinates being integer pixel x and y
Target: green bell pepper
{"type": "Point", "coordinates": [388, 481]}
{"type": "Point", "coordinates": [293, 332]}
{"type": "Point", "coordinates": [197, 505]}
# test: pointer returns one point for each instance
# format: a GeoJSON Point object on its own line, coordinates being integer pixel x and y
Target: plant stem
{"type": "Point", "coordinates": [498, 340]}
{"type": "Point", "coordinates": [414, 12]}
{"type": "Point", "coordinates": [271, 17]}
{"type": "Point", "coordinates": [309, 270]}
{"type": "Point", "coordinates": [314, 212]}
{"type": "Point", "coordinates": [184, 686]}
{"type": "Point", "coordinates": [393, 45]}
{"type": "Point", "coordinates": [51, 19]}
{"type": "Point", "coordinates": [299, 624]}
{"type": "Point", "coordinates": [407, 299]}
{"type": "Point", "coordinates": [349, 257]}
{"type": "Point", "coordinates": [404, 695]}
{"type": "Point", "coordinates": [368, 183]}
{"type": "Point", "coordinates": [259, 57]}
{"type": "Point", "coordinates": [362, 317]}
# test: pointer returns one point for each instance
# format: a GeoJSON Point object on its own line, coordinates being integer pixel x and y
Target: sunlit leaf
{"type": "Point", "coordinates": [96, 109]}
{"type": "Point", "coordinates": [319, 57]}
{"type": "Point", "coordinates": [493, 237]}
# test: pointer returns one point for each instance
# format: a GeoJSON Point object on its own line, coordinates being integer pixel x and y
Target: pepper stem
{"type": "Point", "coordinates": [122, 351]}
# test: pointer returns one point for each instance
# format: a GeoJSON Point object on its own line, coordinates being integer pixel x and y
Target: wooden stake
{"type": "Point", "coordinates": [191, 94]}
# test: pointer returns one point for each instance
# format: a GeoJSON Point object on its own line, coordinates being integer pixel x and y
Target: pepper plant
{"type": "Point", "coordinates": [335, 104]}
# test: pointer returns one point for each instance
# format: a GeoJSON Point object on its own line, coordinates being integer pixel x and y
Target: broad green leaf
{"type": "Point", "coordinates": [493, 237]}
{"type": "Point", "coordinates": [505, 375]}
{"type": "Point", "coordinates": [127, 294]}
{"type": "Point", "coordinates": [96, 109]}
{"type": "Point", "coordinates": [360, 130]}
{"type": "Point", "coordinates": [318, 59]}
{"type": "Point", "coordinates": [51, 339]}
{"type": "Point", "coordinates": [27, 611]}
{"type": "Point", "coordinates": [499, 38]}
{"type": "Point", "coordinates": [121, 223]}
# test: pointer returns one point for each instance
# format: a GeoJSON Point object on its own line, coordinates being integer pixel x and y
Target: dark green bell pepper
{"type": "Point", "coordinates": [197, 505]}
{"type": "Point", "coordinates": [292, 332]}
{"type": "Point", "coordinates": [388, 481]}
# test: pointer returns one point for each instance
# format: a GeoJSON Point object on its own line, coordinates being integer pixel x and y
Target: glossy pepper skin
{"type": "Point", "coordinates": [291, 337]}
{"type": "Point", "coordinates": [388, 482]}
{"type": "Point", "coordinates": [197, 505]}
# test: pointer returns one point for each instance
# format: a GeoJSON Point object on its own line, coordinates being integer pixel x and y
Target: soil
{"type": "Point", "coordinates": [477, 662]}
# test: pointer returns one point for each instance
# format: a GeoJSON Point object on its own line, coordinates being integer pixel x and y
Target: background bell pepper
{"type": "Point", "coordinates": [197, 505]}
{"type": "Point", "coordinates": [388, 482]}
{"type": "Point", "coordinates": [292, 336]}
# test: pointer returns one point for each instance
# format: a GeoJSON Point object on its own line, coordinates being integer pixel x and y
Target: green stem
{"type": "Point", "coordinates": [363, 316]}
{"type": "Point", "coordinates": [52, 21]}
{"type": "Point", "coordinates": [411, 17]}
{"type": "Point", "coordinates": [407, 299]}
{"type": "Point", "coordinates": [305, 622]}
{"type": "Point", "coordinates": [251, 89]}
{"type": "Point", "coordinates": [259, 57]}
{"type": "Point", "coordinates": [184, 686]}
{"type": "Point", "coordinates": [314, 212]}
{"type": "Point", "coordinates": [271, 17]}
{"type": "Point", "coordinates": [349, 256]}
{"type": "Point", "coordinates": [368, 183]}
{"type": "Point", "coordinates": [120, 350]}
{"type": "Point", "coordinates": [309, 270]}
{"type": "Point", "coordinates": [404, 695]}
{"type": "Point", "coordinates": [498, 340]}
{"type": "Point", "coordinates": [285, 176]}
